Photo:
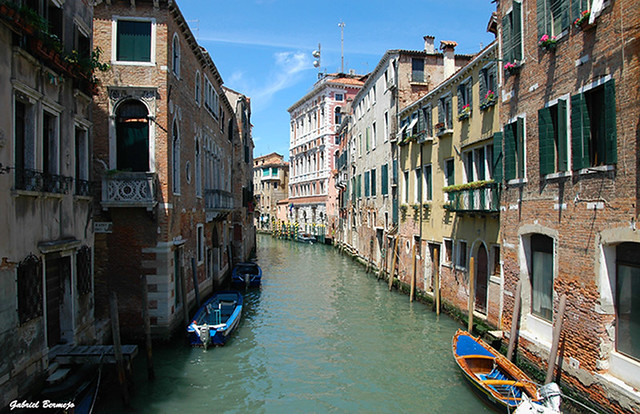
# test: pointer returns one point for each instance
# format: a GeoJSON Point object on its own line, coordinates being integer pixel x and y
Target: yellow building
{"type": "Point", "coordinates": [449, 202]}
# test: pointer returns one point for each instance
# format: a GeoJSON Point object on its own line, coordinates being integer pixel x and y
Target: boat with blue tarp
{"type": "Point", "coordinates": [216, 319]}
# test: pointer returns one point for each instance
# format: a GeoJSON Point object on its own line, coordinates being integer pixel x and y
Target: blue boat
{"type": "Point", "coordinates": [247, 274]}
{"type": "Point", "coordinates": [216, 319]}
{"type": "Point", "coordinates": [496, 378]}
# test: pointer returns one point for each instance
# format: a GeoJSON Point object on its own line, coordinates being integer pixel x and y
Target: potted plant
{"type": "Point", "coordinates": [511, 68]}
{"type": "Point", "coordinates": [547, 42]}
{"type": "Point", "coordinates": [489, 99]}
{"type": "Point", "coordinates": [465, 113]}
{"type": "Point", "coordinates": [582, 22]}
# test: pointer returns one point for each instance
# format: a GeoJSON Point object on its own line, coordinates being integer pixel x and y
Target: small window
{"type": "Point", "coordinates": [176, 55]}
{"type": "Point", "coordinates": [428, 183]}
{"type": "Point", "coordinates": [553, 136]}
{"type": "Point", "coordinates": [198, 86]}
{"type": "Point", "coordinates": [448, 252]}
{"type": "Point", "coordinates": [133, 41]}
{"type": "Point", "coordinates": [83, 269]}
{"type": "Point", "coordinates": [339, 97]}
{"type": "Point", "coordinates": [462, 255]}
{"type": "Point", "coordinates": [417, 70]}
{"type": "Point", "coordinates": [338, 115]}
{"type": "Point", "coordinates": [542, 270]}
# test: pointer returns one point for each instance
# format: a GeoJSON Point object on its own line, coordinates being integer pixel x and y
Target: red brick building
{"type": "Point", "coordinates": [569, 114]}
{"type": "Point", "coordinates": [165, 148]}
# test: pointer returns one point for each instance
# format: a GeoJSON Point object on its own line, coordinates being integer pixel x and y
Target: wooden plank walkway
{"type": "Point", "coordinates": [78, 354]}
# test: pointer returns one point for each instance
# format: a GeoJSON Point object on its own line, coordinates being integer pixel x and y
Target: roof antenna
{"type": "Point", "coordinates": [341, 26]}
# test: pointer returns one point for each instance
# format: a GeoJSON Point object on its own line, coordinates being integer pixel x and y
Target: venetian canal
{"type": "Point", "coordinates": [320, 335]}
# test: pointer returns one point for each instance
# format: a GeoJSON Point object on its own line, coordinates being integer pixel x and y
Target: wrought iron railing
{"type": "Point", "coordinates": [83, 187]}
{"type": "Point", "coordinates": [32, 180]}
{"type": "Point", "coordinates": [129, 189]}
{"type": "Point", "coordinates": [483, 199]}
{"type": "Point", "coordinates": [217, 200]}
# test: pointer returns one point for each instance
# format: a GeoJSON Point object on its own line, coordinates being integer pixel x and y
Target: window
{"type": "Point", "coordinates": [487, 83]}
{"type": "Point", "coordinates": [176, 55]}
{"type": "Point", "coordinates": [447, 252]}
{"type": "Point", "coordinates": [133, 41]}
{"type": "Point", "coordinates": [198, 168]}
{"type": "Point", "coordinates": [25, 145]}
{"type": "Point", "coordinates": [367, 183]}
{"type": "Point", "coordinates": [445, 112]}
{"type": "Point", "coordinates": [628, 299]}
{"type": "Point", "coordinates": [211, 100]}
{"type": "Point", "coordinates": [367, 144]}
{"type": "Point", "coordinates": [82, 162]}
{"type": "Point", "coordinates": [132, 136]}
{"type": "Point", "coordinates": [427, 121]}
{"type": "Point", "coordinates": [198, 86]}
{"type": "Point", "coordinates": [553, 136]}
{"type": "Point", "coordinates": [405, 192]}
{"type": "Point", "coordinates": [417, 193]}
{"type": "Point", "coordinates": [338, 115]}
{"type": "Point", "coordinates": [449, 175]}
{"type": "Point", "coordinates": [373, 135]}
{"type": "Point", "coordinates": [373, 182]}
{"type": "Point", "coordinates": [462, 254]}
{"type": "Point", "coordinates": [553, 17]}
{"type": "Point", "coordinates": [496, 260]}
{"type": "Point", "coordinates": [176, 158]}
{"type": "Point", "coordinates": [200, 243]}
{"type": "Point", "coordinates": [428, 183]}
{"type": "Point", "coordinates": [512, 33]}
{"type": "Point", "coordinates": [386, 126]}
{"type": "Point", "coordinates": [384, 179]}
{"type": "Point", "coordinates": [514, 150]}
{"type": "Point", "coordinates": [29, 289]}
{"type": "Point", "coordinates": [475, 165]}
{"type": "Point", "coordinates": [417, 70]}
{"type": "Point", "coordinates": [50, 143]}
{"type": "Point", "coordinates": [83, 269]}
{"type": "Point", "coordinates": [274, 171]}
{"type": "Point", "coordinates": [593, 127]}
{"type": "Point", "coordinates": [359, 186]}
{"type": "Point", "coordinates": [464, 98]}
{"type": "Point", "coordinates": [339, 97]}
{"type": "Point", "coordinates": [542, 270]}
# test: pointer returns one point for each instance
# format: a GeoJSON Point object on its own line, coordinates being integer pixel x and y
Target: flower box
{"type": "Point", "coordinates": [512, 68]}
{"type": "Point", "coordinates": [489, 100]}
{"type": "Point", "coordinates": [439, 125]}
{"type": "Point", "coordinates": [465, 113]}
{"type": "Point", "coordinates": [547, 42]}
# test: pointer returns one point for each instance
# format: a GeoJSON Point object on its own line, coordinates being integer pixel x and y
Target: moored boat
{"type": "Point", "coordinates": [493, 376]}
{"type": "Point", "coordinates": [248, 274]}
{"type": "Point", "coordinates": [306, 238]}
{"type": "Point", "coordinates": [216, 319]}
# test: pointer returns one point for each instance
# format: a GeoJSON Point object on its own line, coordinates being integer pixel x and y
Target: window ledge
{"type": "Point", "coordinates": [124, 63]}
{"type": "Point", "coordinates": [558, 175]}
{"type": "Point", "coordinates": [598, 169]}
{"type": "Point", "coordinates": [517, 182]}
{"type": "Point", "coordinates": [82, 198]}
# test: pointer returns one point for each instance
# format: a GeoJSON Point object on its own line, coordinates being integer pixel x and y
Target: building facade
{"type": "Point", "coordinates": [47, 248]}
{"type": "Point", "coordinates": [167, 142]}
{"type": "Point", "coordinates": [569, 207]}
{"type": "Point", "coordinates": [314, 122]}
{"type": "Point", "coordinates": [270, 185]}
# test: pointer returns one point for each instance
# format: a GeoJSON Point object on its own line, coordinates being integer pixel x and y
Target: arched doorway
{"type": "Point", "coordinates": [132, 137]}
{"type": "Point", "coordinates": [482, 278]}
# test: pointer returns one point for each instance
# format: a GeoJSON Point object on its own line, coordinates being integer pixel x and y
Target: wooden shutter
{"type": "Point", "coordinates": [497, 157]}
{"type": "Point", "coordinates": [564, 16]}
{"type": "Point", "coordinates": [562, 136]}
{"type": "Point", "coordinates": [482, 82]}
{"type": "Point", "coordinates": [506, 37]}
{"type": "Point", "coordinates": [373, 182]}
{"type": "Point", "coordinates": [459, 93]}
{"type": "Point", "coordinates": [521, 146]}
{"type": "Point", "coordinates": [610, 130]}
{"type": "Point", "coordinates": [580, 132]}
{"type": "Point", "coordinates": [509, 152]}
{"type": "Point", "coordinates": [367, 184]}
{"type": "Point", "coordinates": [441, 110]}
{"type": "Point", "coordinates": [469, 90]}
{"type": "Point", "coordinates": [427, 180]}
{"type": "Point", "coordinates": [516, 32]}
{"type": "Point", "coordinates": [544, 18]}
{"type": "Point", "coordinates": [577, 7]}
{"type": "Point", "coordinates": [384, 181]}
{"type": "Point", "coordinates": [546, 145]}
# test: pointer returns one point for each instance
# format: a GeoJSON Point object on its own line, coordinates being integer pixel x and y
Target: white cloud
{"type": "Point", "coordinates": [286, 73]}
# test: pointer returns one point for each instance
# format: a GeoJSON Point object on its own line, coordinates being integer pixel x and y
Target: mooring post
{"type": "Point", "coordinates": [147, 328]}
{"type": "Point", "coordinates": [194, 274]}
{"type": "Point", "coordinates": [436, 265]}
{"type": "Point", "coordinates": [514, 322]}
{"type": "Point", "coordinates": [472, 294]}
{"type": "Point", "coordinates": [117, 347]}
{"type": "Point", "coordinates": [557, 330]}
{"type": "Point", "coordinates": [393, 263]}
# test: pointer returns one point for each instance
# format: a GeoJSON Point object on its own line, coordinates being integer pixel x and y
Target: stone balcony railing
{"type": "Point", "coordinates": [484, 198]}
{"type": "Point", "coordinates": [129, 189]}
{"type": "Point", "coordinates": [218, 200]}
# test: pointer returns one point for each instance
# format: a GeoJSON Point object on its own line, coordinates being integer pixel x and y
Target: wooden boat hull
{"type": "Point", "coordinates": [249, 270]}
{"type": "Point", "coordinates": [78, 391]}
{"type": "Point", "coordinates": [216, 319]}
{"type": "Point", "coordinates": [492, 375]}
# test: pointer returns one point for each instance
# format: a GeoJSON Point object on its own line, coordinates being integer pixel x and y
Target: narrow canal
{"type": "Point", "coordinates": [319, 336]}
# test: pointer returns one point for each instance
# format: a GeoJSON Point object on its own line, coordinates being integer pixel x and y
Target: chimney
{"type": "Point", "coordinates": [448, 48]}
{"type": "Point", "coordinates": [429, 44]}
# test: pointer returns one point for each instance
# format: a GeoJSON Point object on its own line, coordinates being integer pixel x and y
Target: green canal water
{"type": "Point", "coordinates": [319, 336]}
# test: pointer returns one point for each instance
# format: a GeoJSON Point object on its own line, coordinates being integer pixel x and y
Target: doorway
{"type": "Point", "coordinates": [482, 279]}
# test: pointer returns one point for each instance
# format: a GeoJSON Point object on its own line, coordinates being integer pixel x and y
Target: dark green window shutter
{"type": "Point", "coordinates": [497, 157]}
{"type": "Point", "coordinates": [353, 189]}
{"type": "Point", "coordinates": [373, 182]}
{"type": "Point", "coordinates": [384, 181]}
{"type": "Point", "coordinates": [610, 130]}
{"type": "Point", "coordinates": [469, 90]}
{"type": "Point", "coordinates": [577, 7]}
{"type": "Point", "coordinates": [562, 136]}
{"type": "Point", "coordinates": [544, 18]}
{"type": "Point", "coordinates": [428, 180]}
{"type": "Point", "coordinates": [482, 82]}
{"type": "Point", "coordinates": [509, 152]}
{"type": "Point", "coordinates": [134, 41]}
{"type": "Point", "coordinates": [367, 184]}
{"type": "Point", "coordinates": [359, 185]}
{"type": "Point", "coordinates": [441, 110]}
{"type": "Point", "coordinates": [506, 38]}
{"type": "Point", "coordinates": [460, 97]}
{"type": "Point", "coordinates": [564, 16]}
{"type": "Point", "coordinates": [516, 32]}
{"type": "Point", "coordinates": [546, 144]}
{"type": "Point", "coordinates": [520, 146]}
{"type": "Point", "coordinates": [580, 132]}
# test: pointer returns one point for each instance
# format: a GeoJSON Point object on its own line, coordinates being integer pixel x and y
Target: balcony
{"type": "Point", "coordinates": [129, 189]}
{"type": "Point", "coordinates": [217, 203]}
{"type": "Point", "coordinates": [36, 181]}
{"type": "Point", "coordinates": [476, 197]}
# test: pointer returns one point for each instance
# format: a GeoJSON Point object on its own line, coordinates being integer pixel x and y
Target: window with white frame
{"type": "Point", "coordinates": [386, 126]}
{"type": "Point", "coordinates": [339, 97]}
{"type": "Point", "coordinates": [176, 55]}
{"type": "Point", "coordinates": [134, 40]}
{"type": "Point", "coordinates": [373, 135]}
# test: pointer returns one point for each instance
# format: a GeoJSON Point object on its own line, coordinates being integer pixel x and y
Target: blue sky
{"type": "Point", "coordinates": [262, 48]}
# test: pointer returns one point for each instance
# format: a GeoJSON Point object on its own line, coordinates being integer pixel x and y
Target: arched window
{"type": "Point", "coordinates": [338, 115]}
{"type": "Point", "coordinates": [176, 158]}
{"type": "Point", "coordinates": [198, 86]}
{"type": "Point", "coordinates": [132, 137]}
{"type": "Point", "coordinates": [176, 55]}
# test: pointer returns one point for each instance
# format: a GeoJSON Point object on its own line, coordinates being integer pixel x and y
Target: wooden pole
{"type": "Point", "coordinates": [413, 276]}
{"type": "Point", "coordinates": [117, 347]}
{"type": "Point", "coordinates": [436, 274]}
{"type": "Point", "coordinates": [514, 322]}
{"type": "Point", "coordinates": [147, 328]}
{"type": "Point", "coordinates": [393, 263]}
{"type": "Point", "coordinates": [472, 293]}
{"type": "Point", "coordinates": [557, 330]}
{"type": "Point", "coordinates": [194, 275]}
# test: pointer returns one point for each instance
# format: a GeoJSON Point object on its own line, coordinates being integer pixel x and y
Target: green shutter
{"type": "Point", "coordinates": [580, 132]}
{"type": "Point", "coordinates": [544, 18]}
{"type": "Point", "coordinates": [428, 180]}
{"type": "Point", "coordinates": [460, 98]}
{"type": "Point", "coordinates": [506, 38]}
{"type": "Point", "coordinates": [497, 156]}
{"type": "Point", "coordinates": [469, 88]}
{"type": "Point", "coordinates": [521, 148]}
{"type": "Point", "coordinates": [366, 184]}
{"type": "Point", "coordinates": [353, 189]}
{"type": "Point", "coordinates": [134, 41]}
{"type": "Point", "coordinates": [546, 145]}
{"type": "Point", "coordinates": [562, 136]}
{"type": "Point", "coordinates": [610, 130]}
{"type": "Point", "coordinates": [482, 82]}
{"type": "Point", "coordinates": [384, 183]}
{"type": "Point", "coordinates": [577, 7]}
{"type": "Point", "coordinates": [516, 33]}
{"type": "Point", "coordinates": [441, 110]}
{"type": "Point", "coordinates": [564, 6]}
{"type": "Point", "coordinates": [359, 185]}
{"type": "Point", "coordinates": [373, 182]}
{"type": "Point", "coordinates": [509, 152]}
